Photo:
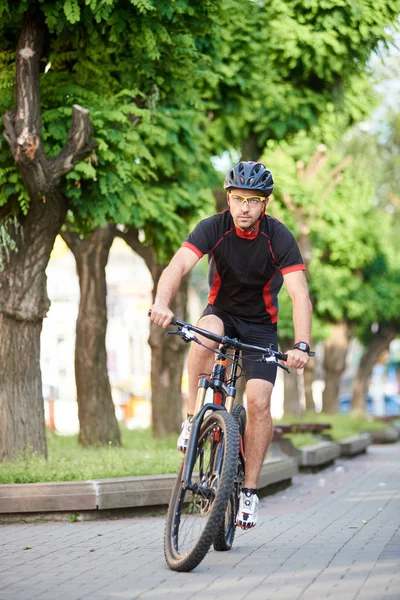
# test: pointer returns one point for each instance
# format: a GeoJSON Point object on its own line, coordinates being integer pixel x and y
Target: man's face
{"type": "Point", "coordinates": [245, 214]}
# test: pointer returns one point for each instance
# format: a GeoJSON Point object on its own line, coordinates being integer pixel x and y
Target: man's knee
{"type": "Point", "coordinates": [258, 394]}
{"type": "Point", "coordinates": [212, 323]}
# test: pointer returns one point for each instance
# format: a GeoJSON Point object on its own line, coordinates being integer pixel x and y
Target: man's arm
{"type": "Point", "coordinates": [296, 285]}
{"type": "Point", "coordinates": [182, 262]}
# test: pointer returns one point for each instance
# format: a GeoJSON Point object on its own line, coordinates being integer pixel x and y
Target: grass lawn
{"type": "Point", "coordinates": [140, 454]}
{"type": "Point", "coordinates": [342, 426]}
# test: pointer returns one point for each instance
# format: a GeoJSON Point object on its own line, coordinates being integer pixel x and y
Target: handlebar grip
{"type": "Point", "coordinates": [283, 356]}
{"type": "Point", "coordinates": [174, 320]}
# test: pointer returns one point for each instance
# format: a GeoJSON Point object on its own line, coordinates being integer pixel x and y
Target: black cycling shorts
{"type": "Point", "coordinates": [257, 334]}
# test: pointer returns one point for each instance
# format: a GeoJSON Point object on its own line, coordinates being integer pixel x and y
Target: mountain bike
{"type": "Point", "coordinates": [205, 497]}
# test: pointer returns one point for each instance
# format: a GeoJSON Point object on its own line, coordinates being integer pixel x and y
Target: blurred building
{"type": "Point", "coordinates": [129, 296]}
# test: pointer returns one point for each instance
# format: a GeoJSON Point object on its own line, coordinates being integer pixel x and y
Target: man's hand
{"type": "Point", "coordinates": [297, 359]}
{"type": "Point", "coordinates": [161, 314]}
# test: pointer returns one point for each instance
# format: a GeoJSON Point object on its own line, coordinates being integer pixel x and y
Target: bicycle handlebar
{"type": "Point", "coordinates": [227, 340]}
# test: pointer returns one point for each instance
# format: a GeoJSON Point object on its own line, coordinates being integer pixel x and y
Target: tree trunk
{"type": "Point", "coordinates": [168, 353]}
{"type": "Point", "coordinates": [167, 362]}
{"type": "Point", "coordinates": [98, 423]}
{"type": "Point", "coordinates": [291, 399]}
{"type": "Point", "coordinates": [309, 376]}
{"type": "Point", "coordinates": [251, 149]}
{"type": "Point", "coordinates": [335, 354]}
{"type": "Point", "coordinates": [372, 351]}
{"type": "Point", "coordinates": [23, 297]}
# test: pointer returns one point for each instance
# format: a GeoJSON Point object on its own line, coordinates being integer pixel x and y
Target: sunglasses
{"type": "Point", "coordinates": [250, 201]}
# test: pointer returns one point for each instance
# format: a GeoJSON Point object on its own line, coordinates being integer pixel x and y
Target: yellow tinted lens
{"type": "Point", "coordinates": [252, 200]}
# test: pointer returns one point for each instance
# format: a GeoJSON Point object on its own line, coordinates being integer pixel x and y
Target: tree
{"type": "Point", "coordinates": [93, 52]}
{"type": "Point", "coordinates": [31, 221]}
{"type": "Point", "coordinates": [347, 242]}
{"type": "Point", "coordinates": [380, 322]}
{"type": "Point", "coordinates": [302, 186]}
{"type": "Point", "coordinates": [225, 62]}
{"type": "Point", "coordinates": [97, 420]}
{"type": "Point", "coordinates": [381, 325]}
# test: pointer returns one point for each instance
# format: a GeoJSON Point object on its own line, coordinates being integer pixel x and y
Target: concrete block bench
{"type": "Point", "coordinates": [355, 444]}
{"type": "Point", "coordinates": [387, 436]}
{"type": "Point", "coordinates": [320, 454]}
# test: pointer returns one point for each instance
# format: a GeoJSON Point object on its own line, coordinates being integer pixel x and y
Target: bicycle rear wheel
{"type": "Point", "coordinates": [193, 516]}
{"type": "Point", "coordinates": [226, 531]}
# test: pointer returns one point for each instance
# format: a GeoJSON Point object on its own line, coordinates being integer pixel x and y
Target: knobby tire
{"type": "Point", "coordinates": [225, 536]}
{"type": "Point", "coordinates": [187, 509]}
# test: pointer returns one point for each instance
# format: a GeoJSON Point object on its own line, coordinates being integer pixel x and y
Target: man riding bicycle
{"type": "Point", "coordinates": [250, 256]}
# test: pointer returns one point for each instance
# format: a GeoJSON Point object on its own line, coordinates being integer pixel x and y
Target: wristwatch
{"type": "Point", "coordinates": [302, 346]}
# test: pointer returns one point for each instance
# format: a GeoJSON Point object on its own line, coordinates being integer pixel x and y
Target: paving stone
{"type": "Point", "coordinates": [331, 535]}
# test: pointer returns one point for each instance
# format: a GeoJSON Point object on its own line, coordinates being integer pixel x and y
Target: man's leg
{"type": "Point", "coordinates": [200, 359]}
{"type": "Point", "coordinates": [257, 439]}
{"type": "Point", "coordinates": [200, 362]}
{"type": "Point", "coordinates": [259, 428]}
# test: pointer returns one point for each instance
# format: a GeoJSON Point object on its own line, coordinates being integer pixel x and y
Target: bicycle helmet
{"type": "Point", "coordinates": [250, 176]}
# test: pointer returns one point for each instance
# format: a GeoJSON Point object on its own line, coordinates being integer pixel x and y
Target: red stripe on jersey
{"type": "Point", "coordinates": [270, 249]}
{"type": "Point", "coordinates": [269, 305]}
{"type": "Point", "coordinates": [292, 269]}
{"type": "Point", "coordinates": [216, 286]}
{"type": "Point", "coordinates": [192, 248]}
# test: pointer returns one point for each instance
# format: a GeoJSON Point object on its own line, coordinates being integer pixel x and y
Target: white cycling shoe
{"type": "Point", "coordinates": [183, 439]}
{"type": "Point", "coordinates": [248, 510]}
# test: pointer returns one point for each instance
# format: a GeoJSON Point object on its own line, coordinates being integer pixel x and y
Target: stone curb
{"type": "Point", "coordinates": [387, 436]}
{"type": "Point", "coordinates": [319, 454]}
{"type": "Point", "coordinates": [354, 445]}
{"type": "Point", "coordinates": [106, 494]}
{"type": "Point", "coordinates": [324, 452]}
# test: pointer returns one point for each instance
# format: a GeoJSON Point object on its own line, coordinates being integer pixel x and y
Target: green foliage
{"type": "Point", "coordinates": [139, 68]}
{"type": "Point", "coordinates": [169, 83]}
{"type": "Point", "coordinates": [289, 62]}
{"type": "Point", "coordinates": [342, 224]}
{"type": "Point", "coordinates": [140, 454]}
{"type": "Point", "coordinates": [320, 329]}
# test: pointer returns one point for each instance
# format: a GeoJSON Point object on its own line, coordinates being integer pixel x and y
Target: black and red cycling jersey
{"type": "Point", "coordinates": [246, 271]}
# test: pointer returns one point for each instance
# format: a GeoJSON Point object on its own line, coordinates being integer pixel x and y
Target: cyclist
{"type": "Point", "coordinates": [250, 256]}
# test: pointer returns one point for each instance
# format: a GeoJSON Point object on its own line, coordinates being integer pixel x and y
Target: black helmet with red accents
{"type": "Point", "coordinates": [250, 176]}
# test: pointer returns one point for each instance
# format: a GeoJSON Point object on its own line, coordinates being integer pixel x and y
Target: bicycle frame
{"type": "Point", "coordinates": [223, 399]}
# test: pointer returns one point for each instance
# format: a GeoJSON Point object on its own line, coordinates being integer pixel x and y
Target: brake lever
{"type": "Point", "coordinates": [185, 334]}
{"type": "Point", "coordinates": [274, 360]}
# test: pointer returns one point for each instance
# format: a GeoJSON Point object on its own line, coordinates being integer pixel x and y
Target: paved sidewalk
{"type": "Point", "coordinates": [334, 534]}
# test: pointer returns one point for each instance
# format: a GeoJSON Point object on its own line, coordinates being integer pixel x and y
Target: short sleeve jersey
{"type": "Point", "coordinates": [246, 273]}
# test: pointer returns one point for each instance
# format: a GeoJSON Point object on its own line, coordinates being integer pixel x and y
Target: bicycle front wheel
{"type": "Point", "coordinates": [226, 532]}
{"type": "Point", "coordinates": [194, 515]}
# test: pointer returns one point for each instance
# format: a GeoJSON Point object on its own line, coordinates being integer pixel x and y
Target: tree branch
{"type": "Point", "coordinates": [317, 162]}
{"type": "Point", "coordinates": [9, 133]}
{"type": "Point", "coordinates": [78, 145]}
{"type": "Point", "coordinates": [339, 168]}
{"type": "Point", "coordinates": [131, 238]}
{"type": "Point", "coordinates": [288, 202]}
